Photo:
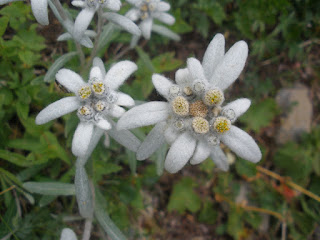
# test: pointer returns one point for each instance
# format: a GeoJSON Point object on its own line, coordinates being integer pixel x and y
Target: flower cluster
{"type": "Point", "coordinates": [97, 101]}
{"type": "Point", "coordinates": [194, 120]}
{"type": "Point", "coordinates": [144, 12]}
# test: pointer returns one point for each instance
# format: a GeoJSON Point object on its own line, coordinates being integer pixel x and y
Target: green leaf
{"type": "Point", "coordinates": [245, 168]}
{"type": "Point", "coordinates": [104, 220]}
{"type": "Point", "coordinates": [260, 115]}
{"type": "Point", "coordinates": [183, 197]}
{"type": "Point", "coordinates": [3, 25]}
{"type": "Point", "coordinates": [15, 158]}
{"type": "Point", "coordinates": [59, 63]}
{"type": "Point", "coordinates": [166, 62]}
{"type": "Point", "coordinates": [50, 188]}
{"type": "Point", "coordinates": [208, 213]}
{"type": "Point", "coordinates": [22, 109]}
{"type": "Point", "coordinates": [145, 59]}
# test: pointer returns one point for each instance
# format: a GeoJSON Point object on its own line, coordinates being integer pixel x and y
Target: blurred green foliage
{"type": "Point", "coordinates": [275, 30]}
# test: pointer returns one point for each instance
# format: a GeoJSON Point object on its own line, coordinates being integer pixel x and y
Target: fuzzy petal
{"type": "Point", "coordinates": [124, 137]}
{"type": "Point", "coordinates": [40, 11]}
{"type": "Point", "coordinates": [124, 100]}
{"type": "Point", "coordinates": [231, 66]}
{"type": "Point", "coordinates": [57, 109]}
{"type": "Point", "coordinates": [78, 3]}
{"type": "Point", "coordinates": [117, 111]}
{"type": "Point", "coordinates": [70, 80]}
{"type": "Point", "coordinates": [163, 7]}
{"type": "Point", "coordinates": [68, 234]}
{"type": "Point", "coordinates": [82, 22]}
{"type": "Point", "coordinates": [81, 138]}
{"type": "Point", "coordinates": [165, 32]}
{"type": "Point", "coordinates": [152, 142]}
{"type": "Point", "coordinates": [123, 22]}
{"type": "Point", "coordinates": [165, 18]}
{"type": "Point", "coordinates": [145, 27]}
{"type": "Point", "coordinates": [118, 73]}
{"type": "Point", "coordinates": [96, 73]}
{"type": "Point", "coordinates": [183, 76]}
{"type": "Point", "coordinates": [171, 134]}
{"type": "Point", "coordinates": [180, 152]}
{"type": "Point", "coordinates": [64, 37]}
{"type": "Point", "coordinates": [96, 135]}
{"type": "Point", "coordinates": [134, 41]}
{"type": "Point", "coordinates": [144, 115]}
{"type": "Point", "coordinates": [97, 62]}
{"type": "Point", "coordinates": [196, 70]}
{"type": "Point", "coordinates": [213, 55]}
{"type": "Point", "coordinates": [239, 106]}
{"type": "Point", "coordinates": [113, 5]}
{"type": "Point", "coordinates": [162, 84]}
{"type": "Point", "coordinates": [242, 144]}
{"type": "Point", "coordinates": [134, 2]}
{"type": "Point", "coordinates": [86, 41]}
{"type": "Point", "coordinates": [133, 14]}
{"type": "Point", "coordinates": [219, 158]}
{"type": "Point", "coordinates": [103, 124]}
{"type": "Point", "coordinates": [201, 153]}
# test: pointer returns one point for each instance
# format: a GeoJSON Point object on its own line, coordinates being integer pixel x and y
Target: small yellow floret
{"type": "Point", "coordinates": [200, 125]}
{"type": "Point", "coordinates": [100, 106]}
{"type": "Point", "coordinates": [98, 87]}
{"type": "Point", "coordinates": [180, 106]}
{"type": "Point", "coordinates": [222, 124]}
{"type": "Point", "coordinates": [84, 111]}
{"type": "Point", "coordinates": [84, 92]}
{"type": "Point", "coordinates": [213, 97]}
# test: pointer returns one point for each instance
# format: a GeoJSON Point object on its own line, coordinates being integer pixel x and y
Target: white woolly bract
{"type": "Point", "coordinates": [239, 106]}
{"type": "Point", "coordinates": [213, 55]}
{"type": "Point", "coordinates": [145, 27]}
{"type": "Point", "coordinates": [83, 192]}
{"type": "Point", "coordinates": [162, 85]}
{"type": "Point", "coordinates": [57, 109]}
{"type": "Point", "coordinates": [152, 142]}
{"type": "Point", "coordinates": [180, 152]}
{"type": "Point", "coordinates": [242, 144]}
{"type": "Point", "coordinates": [144, 115]}
{"type": "Point", "coordinates": [124, 100]}
{"type": "Point", "coordinates": [201, 153]}
{"type": "Point", "coordinates": [81, 138]}
{"type": "Point", "coordinates": [118, 73]}
{"type": "Point", "coordinates": [70, 80]}
{"type": "Point", "coordinates": [40, 11]}
{"type": "Point", "coordinates": [231, 66]}
{"type": "Point", "coordinates": [219, 158]}
{"type": "Point", "coordinates": [82, 22]}
{"type": "Point", "coordinates": [196, 70]}
{"type": "Point", "coordinates": [123, 22]}
{"type": "Point", "coordinates": [68, 234]}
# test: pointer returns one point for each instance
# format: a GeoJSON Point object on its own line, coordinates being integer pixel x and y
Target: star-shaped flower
{"type": "Point", "coordinates": [89, 7]}
{"type": "Point", "coordinates": [145, 11]}
{"type": "Point", "coordinates": [97, 102]}
{"type": "Point", "coordinates": [192, 120]}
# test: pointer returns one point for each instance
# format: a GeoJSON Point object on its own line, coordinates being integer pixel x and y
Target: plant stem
{"type": "Point", "coordinates": [8, 189]}
{"type": "Point", "coordinates": [87, 229]}
{"type": "Point", "coordinates": [96, 41]}
{"type": "Point", "coordinates": [288, 182]}
{"type": "Point", "coordinates": [60, 9]}
{"type": "Point", "coordinates": [81, 55]}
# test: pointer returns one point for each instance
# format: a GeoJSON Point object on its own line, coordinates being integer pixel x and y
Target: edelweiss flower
{"type": "Point", "coordinates": [39, 9]}
{"type": "Point", "coordinates": [96, 102]}
{"type": "Point", "coordinates": [145, 11]}
{"type": "Point", "coordinates": [90, 7]}
{"type": "Point", "coordinates": [192, 120]}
